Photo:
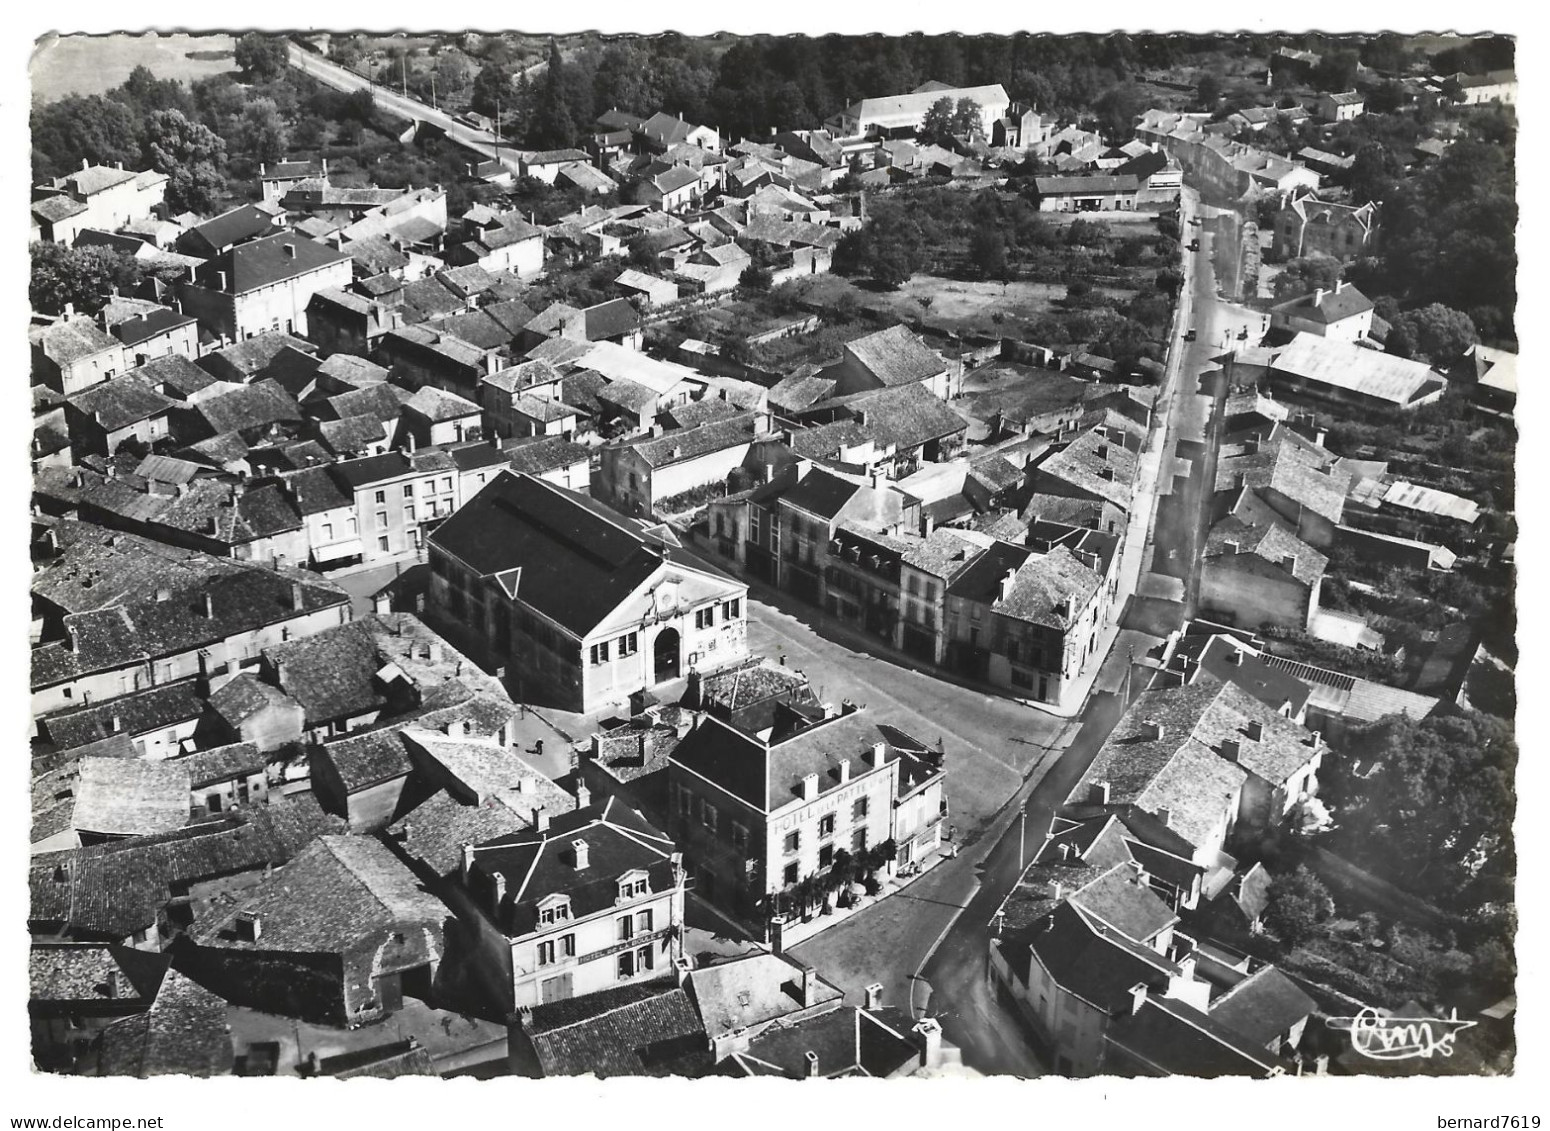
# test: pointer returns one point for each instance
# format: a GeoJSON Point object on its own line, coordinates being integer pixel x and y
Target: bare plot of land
{"type": "Point", "coordinates": [957, 305]}
{"type": "Point", "coordinates": [91, 64]}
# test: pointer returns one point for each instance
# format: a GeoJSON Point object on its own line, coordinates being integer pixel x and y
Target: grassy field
{"type": "Point", "coordinates": [956, 305]}
{"type": "Point", "coordinates": [95, 64]}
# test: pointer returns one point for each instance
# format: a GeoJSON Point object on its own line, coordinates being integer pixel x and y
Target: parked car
{"type": "Point", "coordinates": [1189, 335]}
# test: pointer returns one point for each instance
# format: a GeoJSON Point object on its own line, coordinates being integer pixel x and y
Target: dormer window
{"type": "Point", "coordinates": [632, 885]}
{"type": "Point", "coordinates": [553, 909]}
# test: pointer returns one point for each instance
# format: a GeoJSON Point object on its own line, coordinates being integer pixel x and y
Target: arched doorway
{"type": "Point", "coordinates": [664, 656]}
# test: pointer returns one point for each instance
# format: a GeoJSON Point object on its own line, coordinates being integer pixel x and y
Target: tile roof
{"type": "Point", "coordinates": [317, 491]}
{"type": "Point", "coordinates": [92, 972]}
{"type": "Point", "coordinates": [1270, 541]}
{"type": "Point", "coordinates": [683, 444]}
{"type": "Point", "coordinates": [222, 764]}
{"type": "Point", "coordinates": [245, 695]}
{"type": "Point", "coordinates": [1327, 307]}
{"type": "Point", "coordinates": [138, 713]}
{"type": "Point", "coordinates": [827, 441]}
{"type": "Point", "coordinates": [331, 674]}
{"type": "Point", "coordinates": [336, 891]}
{"type": "Point", "coordinates": [547, 453]}
{"type": "Point", "coordinates": [1301, 471]}
{"type": "Point", "coordinates": [71, 339]}
{"type": "Point", "coordinates": [143, 327]}
{"type": "Point", "coordinates": [265, 262]}
{"type": "Point", "coordinates": [610, 320]}
{"type": "Point", "coordinates": [128, 797]}
{"type": "Point", "coordinates": [768, 774]}
{"type": "Point", "coordinates": [437, 405]}
{"type": "Point", "coordinates": [564, 554]}
{"type": "Point", "coordinates": [895, 356]}
{"type": "Point", "coordinates": [245, 222]}
{"type": "Point", "coordinates": [1088, 958]}
{"type": "Point", "coordinates": [1262, 1007]}
{"type": "Point", "coordinates": [538, 864]}
{"type": "Point", "coordinates": [1193, 766]}
{"type": "Point", "coordinates": [1096, 465]}
{"type": "Point", "coordinates": [184, 1033]}
{"type": "Point", "coordinates": [1170, 1037]}
{"type": "Point", "coordinates": [1078, 186]}
{"type": "Point", "coordinates": [650, 1029]}
{"type": "Point", "coordinates": [905, 416]}
{"type": "Point", "coordinates": [944, 554]}
{"type": "Point", "coordinates": [351, 436]}
{"type": "Point", "coordinates": [1044, 584]}
{"type": "Point", "coordinates": [117, 888]}
{"type": "Point", "coordinates": [752, 989]}
{"type": "Point", "coordinates": [52, 209]}
{"type": "Point", "coordinates": [121, 402]}
{"type": "Point", "coordinates": [435, 831]}
{"type": "Point", "coordinates": [249, 407]}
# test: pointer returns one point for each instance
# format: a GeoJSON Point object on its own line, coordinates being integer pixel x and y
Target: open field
{"type": "Point", "coordinates": [95, 64]}
{"type": "Point", "coordinates": [956, 305]}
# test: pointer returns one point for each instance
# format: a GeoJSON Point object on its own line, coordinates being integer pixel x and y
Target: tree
{"type": "Point", "coordinates": [1117, 109]}
{"type": "Point", "coordinates": [451, 75]}
{"type": "Point", "coordinates": [938, 120]}
{"type": "Point", "coordinates": [261, 57]}
{"type": "Point", "coordinates": [98, 130]}
{"type": "Point", "coordinates": [262, 133]}
{"type": "Point", "coordinates": [890, 267]}
{"type": "Point", "coordinates": [81, 277]}
{"type": "Point", "coordinates": [553, 125]}
{"type": "Point", "coordinates": [492, 87]}
{"type": "Point", "coordinates": [968, 118]}
{"type": "Point", "coordinates": [987, 251]}
{"type": "Point", "coordinates": [191, 156]}
{"type": "Point", "coordinates": [1305, 275]}
{"type": "Point", "coordinates": [1208, 90]}
{"type": "Point", "coordinates": [756, 278]}
{"type": "Point", "coordinates": [1336, 71]}
{"type": "Point", "coordinates": [143, 91]}
{"type": "Point", "coordinates": [1298, 903]}
{"type": "Point", "coordinates": [1435, 333]}
{"type": "Point", "coordinates": [1375, 172]}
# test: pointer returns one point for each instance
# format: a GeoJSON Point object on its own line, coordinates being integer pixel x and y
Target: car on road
{"type": "Point", "coordinates": [1189, 335]}
{"type": "Point", "coordinates": [1194, 245]}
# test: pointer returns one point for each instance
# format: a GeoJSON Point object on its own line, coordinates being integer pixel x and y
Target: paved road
{"type": "Point", "coordinates": [992, 743]}
{"type": "Point", "coordinates": [410, 109]}
{"type": "Point", "coordinates": [992, 1038]}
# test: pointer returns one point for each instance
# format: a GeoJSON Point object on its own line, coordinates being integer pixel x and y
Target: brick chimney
{"type": "Point", "coordinates": [874, 995]}
{"type": "Point", "coordinates": [541, 819]}
{"type": "Point", "coordinates": [812, 1065]}
{"type": "Point", "coordinates": [928, 1039]}
{"type": "Point", "coordinates": [579, 848]}
{"type": "Point", "coordinates": [809, 978]}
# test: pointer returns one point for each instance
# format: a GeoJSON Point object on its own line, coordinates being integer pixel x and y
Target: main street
{"type": "Point", "coordinates": [958, 990]}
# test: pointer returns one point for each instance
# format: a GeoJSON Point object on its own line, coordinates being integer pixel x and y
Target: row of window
{"type": "Point", "coordinates": [826, 825]}
{"type": "Point", "coordinates": [427, 487]}
{"type": "Point", "coordinates": [623, 647]}
{"type": "Point", "coordinates": [793, 870]}
{"type": "Point", "coordinates": [730, 611]}
{"type": "Point", "coordinates": [551, 951]}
